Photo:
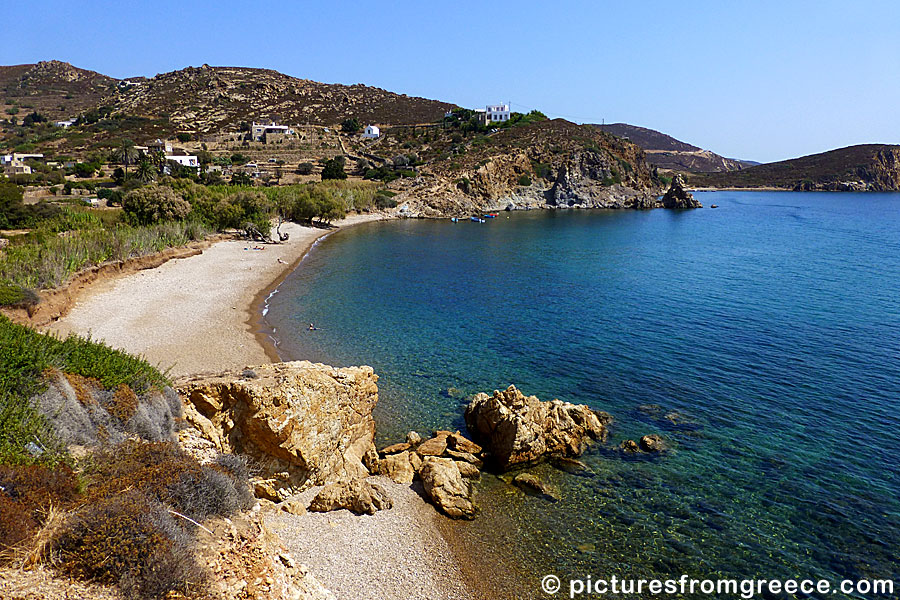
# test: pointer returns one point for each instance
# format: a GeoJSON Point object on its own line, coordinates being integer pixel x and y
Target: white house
{"type": "Point", "coordinates": [496, 113]}
{"type": "Point", "coordinates": [185, 160]}
{"type": "Point", "coordinates": [371, 132]}
{"type": "Point", "coordinates": [65, 124]}
{"type": "Point", "coordinates": [260, 132]}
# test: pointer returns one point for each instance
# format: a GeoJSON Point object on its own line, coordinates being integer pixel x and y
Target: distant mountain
{"type": "Point", "coordinates": [666, 152]}
{"type": "Point", "coordinates": [867, 167]}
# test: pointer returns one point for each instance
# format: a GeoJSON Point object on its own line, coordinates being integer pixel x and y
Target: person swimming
{"type": "Point", "coordinates": [312, 327]}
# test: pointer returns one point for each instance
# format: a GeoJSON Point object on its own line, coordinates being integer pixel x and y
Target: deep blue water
{"type": "Point", "coordinates": [771, 324]}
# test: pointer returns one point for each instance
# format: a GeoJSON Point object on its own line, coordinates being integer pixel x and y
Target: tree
{"type": "Point", "coordinates": [145, 170]}
{"type": "Point", "coordinates": [351, 125]}
{"type": "Point", "coordinates": [304, 168]}
{"type": "Point", "coordinates": [241, 179]}
{"type": "Point", "coordinates": [154, 203]}
{"type": "Point", "coordinates": [85, 170]}
{"type": "Point", "coordinates": [334, 169]}
{"type": "Point", "coordinates": [125, 154]}
{"type": "Point", "coordinates": [119, 176]}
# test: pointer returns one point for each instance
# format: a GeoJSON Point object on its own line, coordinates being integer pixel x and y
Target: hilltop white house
{"type": "Point", "coordinates": [189, 161]}
{"type": "Point", "coordinates": [371, 132]}
{"type": "Point", "coordinates": [494, 113]}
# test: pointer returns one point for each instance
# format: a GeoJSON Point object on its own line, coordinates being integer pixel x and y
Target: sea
{"type": "Point", "coordinates": [761, 339]}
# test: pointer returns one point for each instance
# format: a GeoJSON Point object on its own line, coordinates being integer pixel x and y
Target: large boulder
{"type": "Point", "coordinates": [447, 489]}
{"type": "Point", "coordinates": [357, 495]}
{"type": "Point", "coordinates": [304, 424]}
{"type": "Point", "coordinates": [678, 197]}
{"type": "Point", "coordinates": [517, 429]}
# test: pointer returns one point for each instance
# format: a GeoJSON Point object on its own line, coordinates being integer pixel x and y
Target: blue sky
{"type": "Point", "coordinates": [759, 80]}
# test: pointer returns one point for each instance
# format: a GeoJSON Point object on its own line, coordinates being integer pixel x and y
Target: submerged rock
{"type": "Point", "coordinates": [678, 197]}
{"type": "Point", "coordinates": [357, 495]}
{"type": "Point", "coordinates": [517, 429]}
{"type": "Point", "coordinates": [653, 443]}
{"type": "Point", "coordinates": [445, 486]}
{"type": "Point", "coordinates": [531, 483]}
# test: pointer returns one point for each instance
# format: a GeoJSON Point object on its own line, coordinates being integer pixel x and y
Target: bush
{"type": "Point", "coordinates": [28, 492]}
{"type": "Point", "coordinates": [154, 203]}
{"type": "Point", "coordinates": [304, 168]}
{"type": "Point", "coordinates": [334, 169]}
{"type": "Point", "coordinates": [183, 137]}
{"type": "Point", "coordinates": [385, 199]}
{"type": "Point", "coordinates": [132, 541]}
{"type": "Point", "coordinates": [351, 125]}
{"type": "Point", "coordinates": [85, 170]}
{"type": "Point", "coordinates": [524, 180]}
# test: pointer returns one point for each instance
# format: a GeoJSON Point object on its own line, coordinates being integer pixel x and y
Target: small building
{"type": "Point", "coordinates": [65, 124]}
{"type": "Point", "coordinates": [494, 113]}
{"type": "Point", "coordinates": [185, 160]}
{"type": "Point", "coordinates": [14, 164]}
{"type": "Point", "coordinates": [260, 132]}
{"type": "Point", "coordinates": [371, 132]}
{"type": "Point", "coordinates": [159, 145]}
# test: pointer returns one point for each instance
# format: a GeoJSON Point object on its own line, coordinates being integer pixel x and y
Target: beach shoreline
{"type": "Point", "coordinates": [199, 313]}
{"type": "Point", "coordinates": [164, 314]}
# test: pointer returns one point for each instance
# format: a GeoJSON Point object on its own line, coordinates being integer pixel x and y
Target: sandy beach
{"type": "Point", "coordinates": [194, 314]}
{"type": "Point", "coordinates": [198, 314]}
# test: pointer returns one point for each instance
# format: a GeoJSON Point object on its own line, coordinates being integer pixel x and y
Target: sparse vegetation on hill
{"type": "Point", "coordinates": [868, 167]}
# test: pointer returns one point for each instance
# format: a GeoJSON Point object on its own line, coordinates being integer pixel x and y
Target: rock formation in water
{"type": "Point", "coordinates": [447, 488]}
{"type": "Point", "coordinates": [678, 197]}
{"type": "Point", "coordinates": [516, 429]}
{"type": "Point", "coordinates": [305, 424]}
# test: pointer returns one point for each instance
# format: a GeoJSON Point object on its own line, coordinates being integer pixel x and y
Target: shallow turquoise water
{"type": "Point", "coordinates": [772, 324]}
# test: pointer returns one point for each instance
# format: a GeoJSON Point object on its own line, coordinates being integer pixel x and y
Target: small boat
{"type": "Point", "coordinates": [490, 216]}
{"type": "Point", "coordinates": [454, 219]}
{"type": "Point", "coordinates": [477, 220]}
{"type": "Point", "coordinates": [714, 206]}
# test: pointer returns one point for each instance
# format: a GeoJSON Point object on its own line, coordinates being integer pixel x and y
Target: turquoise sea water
{"type": "Point", "coordinates": [771, 325]}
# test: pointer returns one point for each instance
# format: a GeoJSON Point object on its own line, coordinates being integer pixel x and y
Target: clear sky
{"type": "Point", "coordinates": [759, 80]}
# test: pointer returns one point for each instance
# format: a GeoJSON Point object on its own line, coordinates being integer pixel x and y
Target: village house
{"type": "Point", "coordinates": [65, 124]}
{"type": "Point", "coordinates": [14, 164]}
{"type": "Point", "coordinates": [371, 132]}
{"type": "Point", "coordinates": [260, 132]}
{"type": "Point", "coordinates": [495, 113]}
{"type": "Point", "coordinates": [185, 160]}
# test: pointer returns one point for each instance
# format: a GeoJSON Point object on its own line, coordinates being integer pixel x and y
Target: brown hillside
{"type": "Point", "coordinates": [206, 99]}
{"type": "Point", "coordinates": [55, 89]}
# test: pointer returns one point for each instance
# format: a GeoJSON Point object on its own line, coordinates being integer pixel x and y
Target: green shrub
{"type": "Point", "coordinates": [14, 296]}
{"type": "Point", "coordinates": [304, 168]}
{"type": "Point", "coordinates": [351, 125]}
{"type": "Point", "coordinates": [524, 180]}
{"type": "Point", "coordinates": [154, 203]}
{"type": "Point", "coordinates": [334, 169]}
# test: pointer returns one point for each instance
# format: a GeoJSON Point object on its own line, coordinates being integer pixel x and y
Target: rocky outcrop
{"type": "Point", "coordinates": [678, 197]}
{"type": "Point", "coordinates": [357, 495]}
{"type": "Point", "coordinates": [551, 164]}
{"type": "Point", "coordinates": [447, 489]}
{"type": "Point", "coordinates": [516, 429]}
{"type": "Point", "coordinates": [653, 443]}
{"type": "Point", "coordinates": [304, 424]}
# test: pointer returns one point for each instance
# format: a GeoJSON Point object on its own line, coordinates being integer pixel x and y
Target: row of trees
{"type": "Point", "coordinates": [224, 207]}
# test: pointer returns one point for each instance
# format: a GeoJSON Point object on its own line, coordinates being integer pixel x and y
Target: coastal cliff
{"type": "Point", "coordinates": [863, 168]}
{"type": "Point", "coordinates": [548, 164]}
